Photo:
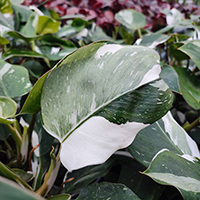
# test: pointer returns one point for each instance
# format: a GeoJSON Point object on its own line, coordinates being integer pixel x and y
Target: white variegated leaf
{"type": "Point", "coordinates": [98, 97]}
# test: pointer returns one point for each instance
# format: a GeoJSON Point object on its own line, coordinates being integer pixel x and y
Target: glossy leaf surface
{"type": "Point", "coordinates": [177, 170]}
{"type": "Point", "coordinates": [96, 86]}
{"type": "Point", "coordinates": [165, 133]}
{"type": "Point", "coordinates": [106, 190]}
{"type": "Point", "coordinates": [14, 80]}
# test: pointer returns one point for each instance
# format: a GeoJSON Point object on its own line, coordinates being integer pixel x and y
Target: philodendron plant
{"type": "Point", "coordinates": [94, 102]}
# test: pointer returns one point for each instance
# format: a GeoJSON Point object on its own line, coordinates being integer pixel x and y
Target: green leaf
{"type": "Point", "coordinates": [23, 11]}
{"type": "Point", "coordinates": [14, 80]}
{"type": "Point", "coordinates": [189, 86]}
{"type": "Point", "coordinates": [8, 107]}
{"type": "Point", "coordinates": [26, 176]}
{"type": "Point", "coordinates": [4, 41]}
{"type": "Point", "coordinates": [34, 68]}
{"type": "Point", "coordinates": [68, 31]}
{"type": "Point", "coordinates": [98, 34]}
{"type": "Point", "coordinates": [4, 132]}
{"type": "Point", "coordinates": [6, 24]}
{"type": "Point", "coordinates": [5, 171]}
{"type": "Point", "coordinates": [5, 7]}
{"type": "Point", "coordinates": [165, 133]}
{"type": "Point", "coordinates": [60, 197]}
{"type": "Point", "coordinates": [152, 40]}
{"type": "Point", "coordinates": [176, 53]}
{"type": "Point", "coordinates": [22, 53]}
{"type": "Point", "coordinates": [180, 171]}
{"type": "Point", "coordinates": [52, 40]}
{"type": "Point", "coordinates": [192, 49]}
{"type": "Point", "coordinates": [87, 86]}
{"type": "Point", "coordinates": [143, 186]}
{"type": "Point", "coordinates": [86, 175]}
{"type": "Point", "coordinates": [131, 19]}
{"type": "Point", "coordinates": [55, 53]}
{"type": "Point", "coordinates": [169, 75]}
{"type": "Point", "coordinates": [106, 190]}
{"type": "Point", "coordinates": [46, 25]}
{"type": "Point", "coordinates": [32, 103]}
{"type": "Point", "coordinates": [18, 193]}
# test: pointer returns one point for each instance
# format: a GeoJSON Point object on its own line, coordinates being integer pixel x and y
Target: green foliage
{"type": "Point", "coordinates": [77, 105]}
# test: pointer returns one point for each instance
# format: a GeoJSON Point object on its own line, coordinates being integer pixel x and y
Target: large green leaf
{"type": "Point", "coordinates": [177, 170]}
{"type": "Point", "coordinates": [192, 49]}
{"type": "Point", "coordinates": [9, 190]}
{"type": "Point", "coordinates": [131, 19]}
{"type": "Point", "coordinates": [96, 85]}
{"type": "Point", "coordinates": [104, 190]}
{"type": "Point", "coordinates": [14, 80]}
{"type": "Point", "coordinates": [165, 133]}
{"type": "Point", "coordinates": [189, 86]}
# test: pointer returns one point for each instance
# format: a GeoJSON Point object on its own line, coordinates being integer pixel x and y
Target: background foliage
{"type": "Point", "coordinates": [163, 160]}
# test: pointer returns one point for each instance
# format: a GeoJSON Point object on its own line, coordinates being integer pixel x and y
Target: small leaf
{"type": "Point", "coordinates": [5, 7]}
{"type": "Point", "coordinates": [104, 190]}
{"type": "Point", "coordinates": [176, 53]}
{"type": "Point", "coordinates": [8, 107]}
{"type": "Point", "coordinates": [4, 41]}
{"type": "Point", "coordinates": [180, 171]}
{"type": "Point", "coordinates": [152, 40]}
{"type": "Point", "coordinates": [22, 53]}
{"type": "Point", "coordinates": [24, 11]}
{"type": "Point", "coordinates": [169, 75]}
{"type": "Point", "coordinates": [14, 80]}
{"type": "Point", "coordinates": [131, 19]}
{"type": "Point", "coordinates": [46, 25]}
{"type": "Point", "coordinates": [189, 86]}
{"type": "Point", "coordinates": [192, 49]}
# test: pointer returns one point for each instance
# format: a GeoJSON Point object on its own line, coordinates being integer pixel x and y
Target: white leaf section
{"type": "Point", "coordinates": [107, 49]}
{"type": "Point", "coordinates": [151, 75]}
{"type": "Point", "coordinates": [95, 141]}
{"type": "Point", "coordinates": [173, 130]}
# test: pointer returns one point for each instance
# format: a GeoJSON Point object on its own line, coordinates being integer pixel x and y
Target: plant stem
{"type": "Point", "coordinates": [189, 127]}
{"type": "Point", "coordinates": [139, 33]}
{"type": "Point", "coordinates": [16, 136]}
{"type": "Point", "coordinates": [50, 175]}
